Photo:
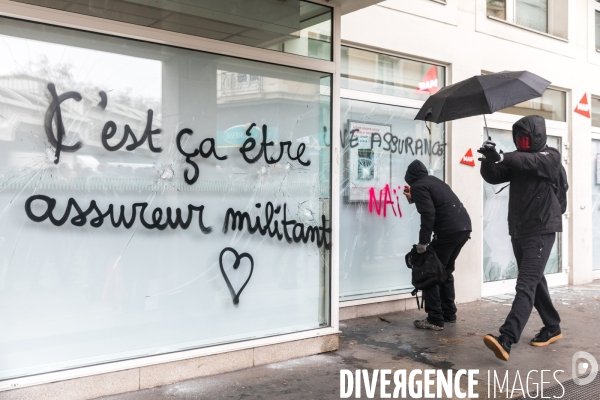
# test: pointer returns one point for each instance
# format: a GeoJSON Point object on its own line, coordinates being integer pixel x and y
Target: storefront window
{"type": "Point", "coordinates": [290, 26]}
{"type": "Point", "coordinates": [367, 71]}
{"type": "Point", "coordinates": [551, 105]}
{"type": "Point", "coordinates": [377, 225]}
{"type": "Point", "coordinates": [595, 158]}
{"type": "Point", "coordinates": [498, 259]}
{"type": "Point", "coordinates": [155, 199]}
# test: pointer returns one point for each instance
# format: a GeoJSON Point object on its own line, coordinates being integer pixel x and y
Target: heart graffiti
{"type": "Point", "coordinates": [236, 264]}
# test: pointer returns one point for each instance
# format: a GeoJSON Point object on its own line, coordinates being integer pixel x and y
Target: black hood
{"type": "Point", "coordinates": [536, 126]}
{"type": "Point", "coordinates": [415, 171]}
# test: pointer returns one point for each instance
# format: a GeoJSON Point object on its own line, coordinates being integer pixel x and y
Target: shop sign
{"type": "Point", "coordinates": [369, 166]}
{"type": "Point", "coordinates": [429, 83]}
{"type": "Point", "coordinates": [583, 107]}
{"type": "Point", "coordinates": [468, 159]}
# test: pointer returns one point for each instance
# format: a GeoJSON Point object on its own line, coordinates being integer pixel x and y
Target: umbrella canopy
{"type": "Point", "coordinates": [482, 94]}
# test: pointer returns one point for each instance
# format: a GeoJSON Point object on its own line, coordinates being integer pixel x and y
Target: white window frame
{"type": "Point", "coordinates": [384, 99]}
{"type": "Point", "coordinates": [558, 129]}
{"type": "Point", "coordinates": [503, 30]}
{"type": "Point", "coordinates": [87, 23]}
{"type": "Point", "coordinates": [511, 18]}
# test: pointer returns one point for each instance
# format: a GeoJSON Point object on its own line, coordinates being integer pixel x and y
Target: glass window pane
{"type": "Point", "coordinates": [595, 158]}
{"type": "Point", "coordinates": [118, 237]}
{"type": "Point", "coordinates": [496, 8]}
{"type": "Point", "coordinates": [379, 73]}
{"type": "Point", "coordinates": [291, 26]}
{"type": "Point", "coordinates": [377, 225]}
{"type": "Point", "coordinates": [595, 112]}
{"type": "Point", "coordinates": [498, 259]}
{"type": "Point", "coordinates": [532, 14]}
{"type": "Point", "coordinates": [551, 105]}
{"type": "Point", "coordinates": [597, 27]}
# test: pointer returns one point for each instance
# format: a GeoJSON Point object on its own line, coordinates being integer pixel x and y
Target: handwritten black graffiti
{"type": "Point", "coordinates": [110, 129]}
{"type": "Point", "coordinates": [299, 232]}
{"type": "Point", "coordinates": [238, 258]}
{"type": "Point", "coordinates": [172, 219]}
{"type": "Point", "coordinates": [249, 145]}
{"type": "Point", "coordinates": [344, 135]}
{"type": "Point", "coordinates": [103, 99]}
{"type": "Point", "coordinates": [394, 144]}
{"type": "Point", "coordinates": [199, 151]}
{"type": "Point", "coordinates": [326, 138]}
{"type": "Point", "coordinates": [54, 112]}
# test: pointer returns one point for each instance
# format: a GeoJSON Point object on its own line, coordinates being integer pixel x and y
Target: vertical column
{"type": "Point", "coordinates": [579, 217]}
{"type": "Point", "coordinates": [335, 169]}
{"type": "Point", "coordinates": [466, 182]}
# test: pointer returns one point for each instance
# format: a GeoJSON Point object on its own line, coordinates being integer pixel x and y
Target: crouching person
{"type": "Point", "coordinates": [442, 214]}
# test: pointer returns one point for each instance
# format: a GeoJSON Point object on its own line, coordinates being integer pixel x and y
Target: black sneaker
{"type": "Point", "coordinates": [450, 321]}
{"type": "Point", "coordinates": [500, 345]}
{"type": "Point", "coordinates": [424, 324]}
{"type": "Point", "coordinates": [546, 336]}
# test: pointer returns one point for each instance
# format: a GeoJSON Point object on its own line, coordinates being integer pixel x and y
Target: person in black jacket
{"type": "Point", "coordinates": [442, 214]}
{"type": "Point", "coordinates": [534, 217]}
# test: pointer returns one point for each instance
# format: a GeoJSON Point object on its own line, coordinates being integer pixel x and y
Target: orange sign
{"type": "Point", "coordinates": [430, 83]}
{"type": "Point", "coordinates": [468, 159]}
{"type": "Point", "coordinates": [583, 107]}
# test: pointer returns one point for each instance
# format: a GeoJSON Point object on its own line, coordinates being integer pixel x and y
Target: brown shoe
{"type": "Point", "coordinates": [500, 345]}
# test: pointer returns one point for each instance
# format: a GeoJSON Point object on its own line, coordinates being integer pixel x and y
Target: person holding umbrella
{"type": "Point", "coordinates": [536, 178]}
{"type": "Point", "coordinates": [534, 217]}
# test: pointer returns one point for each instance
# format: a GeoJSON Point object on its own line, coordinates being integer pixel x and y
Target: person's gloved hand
{"type": "Point", "coordinates": [488, 149]}
{"type": "Point", "coordinates": [421, 248]}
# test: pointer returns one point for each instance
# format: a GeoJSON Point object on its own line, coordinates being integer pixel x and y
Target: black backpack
{"type": "Point", "coordinates": [427, 269]}
{"type": "Point", "coordinates": [561, 185]}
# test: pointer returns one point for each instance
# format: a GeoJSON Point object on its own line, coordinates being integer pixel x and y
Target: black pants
{"type": "Point", "coordinates": [439, 299]}
{"type": "Point", "coordinates": [532, 254]}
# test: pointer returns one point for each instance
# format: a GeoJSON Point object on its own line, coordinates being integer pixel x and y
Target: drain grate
{"type": "Point", "coordinates": [591, 391]}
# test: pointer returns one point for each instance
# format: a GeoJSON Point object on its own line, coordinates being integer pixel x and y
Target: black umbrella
{"type": "Point", "coordinates": [482, 94]}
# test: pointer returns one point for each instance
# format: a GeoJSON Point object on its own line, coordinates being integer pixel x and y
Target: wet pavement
{"type": "Point", "coordinates": [391, 342]}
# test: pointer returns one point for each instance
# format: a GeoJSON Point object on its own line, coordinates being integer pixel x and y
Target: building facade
{"type": "Point", "coordinates": [452, 41]}
{"type": "Point", "coordinates": [189, 188]}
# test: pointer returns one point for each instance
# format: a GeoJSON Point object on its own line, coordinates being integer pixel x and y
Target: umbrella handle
{"type": "Point", "coordinates": [486, 128]}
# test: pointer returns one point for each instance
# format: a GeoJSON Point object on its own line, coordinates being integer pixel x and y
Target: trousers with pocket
{"type": "Point", "coordinates": [532, 254]}
{"type": "Point", "coordinates": [439, 299]}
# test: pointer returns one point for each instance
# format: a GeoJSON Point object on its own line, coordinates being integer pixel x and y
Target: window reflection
{"type": "Point", "coordinates": [290, 26]}
{"type": "Point", "coordinates": [383, 74]}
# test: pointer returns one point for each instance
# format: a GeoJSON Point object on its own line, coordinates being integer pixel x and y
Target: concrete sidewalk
{"type": "Point", "coordinates": [391, 342]}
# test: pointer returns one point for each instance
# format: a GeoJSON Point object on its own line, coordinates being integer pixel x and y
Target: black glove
{"type": "Point", "coordinates": [421, 248]}
{"type": "Point", "coordinates": [488, 149]}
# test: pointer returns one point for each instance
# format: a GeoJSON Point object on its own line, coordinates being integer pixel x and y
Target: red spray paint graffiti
{"type": "Point", "coordinates": [385, 199]}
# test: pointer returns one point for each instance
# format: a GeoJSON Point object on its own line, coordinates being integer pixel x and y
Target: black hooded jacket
{"type": "Point", "coordinates": [441, 211]}
{"type": "Point", "coordinates": [533, 208]}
